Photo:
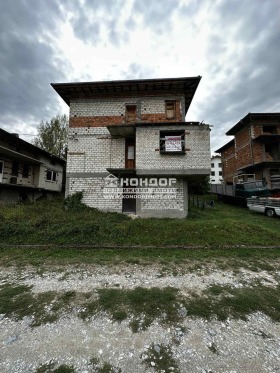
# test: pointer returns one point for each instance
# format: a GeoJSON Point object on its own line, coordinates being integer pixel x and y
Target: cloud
{"type": "Point", "coordinates": [243, 65]}
{"type": "Point", "coordinates": [29, 61]}
{"type": "Point", "coordinates": [137, 71]}
{"type": "Point", "coordinates": [98, 22]}
{"type": "Point", "coordinates": [232, 44]}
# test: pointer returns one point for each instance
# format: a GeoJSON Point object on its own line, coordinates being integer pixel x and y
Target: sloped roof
{"type": "Point", "coordinates": [186, 86]}
{"type": "Point", "coordinates": [15, 140]}
{"type": "Point", "coordinates": [251, 117]}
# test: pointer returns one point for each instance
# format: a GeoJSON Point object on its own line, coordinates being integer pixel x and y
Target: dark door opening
{"type": "Point", "coordinates": [129, 203]}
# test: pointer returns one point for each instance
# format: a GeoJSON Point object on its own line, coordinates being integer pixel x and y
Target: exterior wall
{"type": "Point", "coordinates": [243, 148]}
{"type": "Point", "coordinates": [249, 152]}
{"type": "Point", "coordinates": [92, 188]}
{"type": "Point", "coordinates": [14, 186]}
{"type": "Point", "coordinates": [92, 150]}
{"type": "Point", "coordinates": [228, 164]}
{"type": "Point", "coordinates": [7, 174]}
{"type": "Point", "coordinates": [196, 160]}
{"type": "Point", "coordinates": [103, 112]}
{"type": "Point", "coordinates": [216, 170]}
{"type": "Point", "coordinates": [173, 208]}
{"type": "Point", "coordinates": [46, 165]}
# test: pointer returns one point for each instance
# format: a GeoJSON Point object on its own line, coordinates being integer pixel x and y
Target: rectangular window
{"type": "Point", "coordinates": [170, 107]}
{"type": "Point", "coordinates": [51, 176]}
{"type": "Point", "coordinates": [15, 167]}
{"type": "Point", "coordinates": [212, 173]}
{"type": "Point", "coordinates": [172, 142]}
{"type": "Point", "coordinates": [130, 114]}
{"type": "Point", "coordinates": [212, 165]}
{"type": "Point", "coordinates": [220, 173]}
{"type": "Point", "coordinates": [25, 170]}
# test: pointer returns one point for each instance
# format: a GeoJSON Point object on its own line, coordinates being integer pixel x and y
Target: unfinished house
{"type": "Point", "coordinates": [26, 171]}
{"type": "Point", "coordinates": [129, 147]}
{"type": "Point", "coordinates": [255, 149]}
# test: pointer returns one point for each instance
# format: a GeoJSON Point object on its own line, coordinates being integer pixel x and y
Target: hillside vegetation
{"type": "Point", "coordinates": [49, 223]}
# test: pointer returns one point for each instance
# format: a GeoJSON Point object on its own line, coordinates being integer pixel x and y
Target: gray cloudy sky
{"type": "Point", "coordinates": [232, 44]}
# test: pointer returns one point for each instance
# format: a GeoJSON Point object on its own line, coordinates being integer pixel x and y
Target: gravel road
{"type": "Point", "coordinates": [101, 345]}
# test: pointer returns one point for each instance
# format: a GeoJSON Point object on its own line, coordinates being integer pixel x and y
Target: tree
{"type": "Point", "coordinates": [52, 136]}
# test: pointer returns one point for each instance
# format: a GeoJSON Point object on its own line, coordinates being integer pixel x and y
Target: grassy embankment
{"type": "Point", "coordinates": [230, 238]}
{"type": "Point", "coordinates": [47, 223]}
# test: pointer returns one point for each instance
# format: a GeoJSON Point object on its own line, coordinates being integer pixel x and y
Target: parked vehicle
{"type": "Point", "coordinates": [242, 188]}
{"type": "Point", "coordinates": [269, 206]}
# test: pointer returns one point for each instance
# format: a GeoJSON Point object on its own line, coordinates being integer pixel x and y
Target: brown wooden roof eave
{"type": "Point", "coordinates": [186, 86]}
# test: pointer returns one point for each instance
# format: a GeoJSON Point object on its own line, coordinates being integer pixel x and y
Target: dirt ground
{"type": "Point", "coordinates": [100, 344]}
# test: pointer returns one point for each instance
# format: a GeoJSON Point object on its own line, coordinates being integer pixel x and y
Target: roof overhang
{"type": "Point", "coordinates": [226, 146]}
{"type": "Point", "coordinates": [253, 117]}
{"type": "Point", "coordinates": [16, 155]}
{"type": "Point", "coordinates": [124, 88]}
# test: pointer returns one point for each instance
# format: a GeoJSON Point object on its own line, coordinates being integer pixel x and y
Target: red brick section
{"type": "Point", "coordinates": [229, 164]}
{"type": "Point", "coordinates": [95, 121]}
{"type": "Point", "coordinates": [247, 152]}
{"type": "Point", "coordinates": [257, 130]}
{"type": "Point", "coordinates": [103, 121]}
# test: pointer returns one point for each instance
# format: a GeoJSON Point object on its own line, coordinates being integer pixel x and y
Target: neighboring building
{"type": "Point", "coordinates": [132, 133]}
{"type": "Point", "coordinates": [26, 171]}
{"type": "Point", "coordinates": [255, 149]}
{"type": "Point", "coordinates": [216, 176]}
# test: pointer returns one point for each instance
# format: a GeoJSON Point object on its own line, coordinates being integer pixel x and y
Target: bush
{"type": "Point", "coordinates": [74, 202]}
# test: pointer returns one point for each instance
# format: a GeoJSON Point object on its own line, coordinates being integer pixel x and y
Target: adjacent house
{"type": "Point", "coordinates": [129, 147]}
{"type": "Point", "coordinates": [216, 170]}
{"type": "Point", "coordinates": [255, 149]}
{"type": "Point", "coordinates": [26, 171]}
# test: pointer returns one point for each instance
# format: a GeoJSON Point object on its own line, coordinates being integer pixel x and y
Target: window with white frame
{"type": "Point", "coordinates": [51, 176]}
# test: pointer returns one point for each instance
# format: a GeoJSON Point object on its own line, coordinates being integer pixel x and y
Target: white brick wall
{"type": "Point", "coordinates": [93, 193]}
{"type": "Point", "coordinates": [165, 203]}
{"type": "Point", "coordinates": [93, 150]}
{"type": "Point", "coordinates": [116, 106]}
{"type": "Point", "coordinates": [198, 141]}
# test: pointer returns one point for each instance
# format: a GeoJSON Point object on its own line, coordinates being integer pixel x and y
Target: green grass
{"type": "Point", "coordinates": [47, 222]}
{"type": "Point", "coordinates": [142, 305]}
{"type": "Point", "coordinates": [18, 301]}
{"type": "Point", "coordinates": [223, 302]}
{"type": "Point", "coordinates": [161, 358]}
{"type": "Point", "coordinates": [50, 368]}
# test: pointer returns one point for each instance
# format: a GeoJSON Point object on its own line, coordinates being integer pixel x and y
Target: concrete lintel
{"type": "Point", "coordinates": [173, 172]}
{"type": "Point", "coordinates": [86, 175]}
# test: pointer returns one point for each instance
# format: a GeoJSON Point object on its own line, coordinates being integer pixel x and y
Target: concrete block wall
{"type": "Point", "coordinates": [92, 150]}
{"type": "Point", "coordinates": [92, 188]}
{"type": "Point", "coordinates": [173, 208]}
{"type": "Point", "coordinates": [103, 112]}
{"type": "Point", "coordinates": [197, 145]}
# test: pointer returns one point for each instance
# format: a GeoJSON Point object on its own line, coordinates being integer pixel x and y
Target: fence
{"type": "Point", "coordinates": [195, 201]}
